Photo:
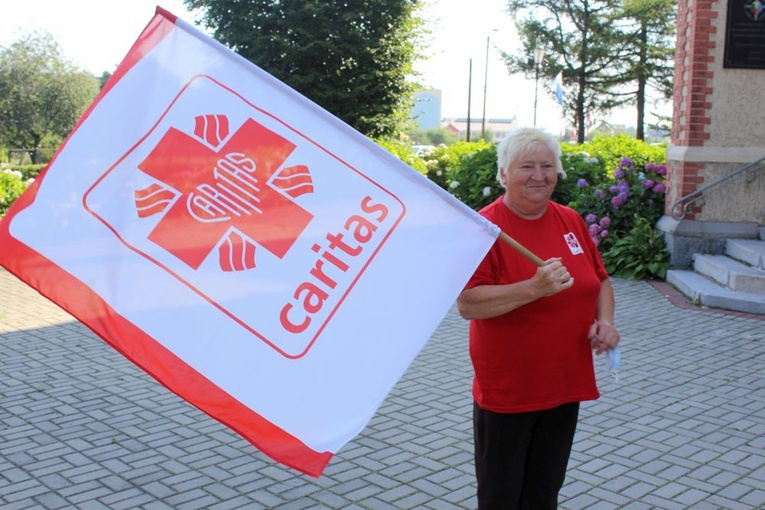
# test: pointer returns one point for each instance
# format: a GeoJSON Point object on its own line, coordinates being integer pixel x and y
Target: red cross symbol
{"type": "Point", "coordinates": [224, 189]}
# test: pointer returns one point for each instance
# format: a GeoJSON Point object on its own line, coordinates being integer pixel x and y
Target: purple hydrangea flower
{"type": "Point", "coordinates": [619, 173]}
{"type": "Point", "coordinates": [604, 233]}
{"type": "Point", "coordinates": [594, 229]}
{"type": "Point", "coordinates": [625, 162]}
{"type": "Point", "coordinates": [590, 218]}
{"type": "Point", "coordinates": [659, 188]}
{"type": "Point", "coordinates": [650, 166]}
{"type": "Point", "coordinates": [618, 201]}
{"type": "Point", "coordinates": [660, 169]}
{"type": "Point", "coordinates": [582, 183]}
{"type": "Point", "coordinates": [599, 193]}
{"type": "Point", "coordinates": [605, 222]}
{"type": "Point", "coordinates": [614, 189]}
{"type": "Point", "coordinates": [595, 240]}
{"type": "Point", "coordinates": [648, 183]}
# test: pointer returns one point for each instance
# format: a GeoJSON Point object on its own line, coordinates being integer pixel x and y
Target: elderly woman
{"type": "Point", "coordinates": [532, 330]}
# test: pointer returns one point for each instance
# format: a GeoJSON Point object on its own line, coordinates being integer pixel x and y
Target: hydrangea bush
{"type": "Point", "coordinates": [473, 179]}
{"type": "Point", "coordinates": [620, 215]}
{"type": "Point", "coordinates": [620, 204]}
{"type": "Point", "coordinates": [581, 170]}
{"type": "Point", "coordinates": [403, 152]}
{"type": "Point", "coordinates": [614, 205]}
{"type": "Point", "coordinates": [445, 165]}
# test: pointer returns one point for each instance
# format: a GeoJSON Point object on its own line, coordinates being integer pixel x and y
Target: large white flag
{"type": "Point", "coordinates": [247, 249]}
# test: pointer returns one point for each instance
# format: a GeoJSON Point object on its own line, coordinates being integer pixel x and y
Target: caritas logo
{"type": "Point", "coordinates": [224, 192]}
{"type": "Point", "coordinates": [253, 216]}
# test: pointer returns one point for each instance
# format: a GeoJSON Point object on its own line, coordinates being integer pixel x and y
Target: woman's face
{"type": "Point", "coordinates": [530, 180]}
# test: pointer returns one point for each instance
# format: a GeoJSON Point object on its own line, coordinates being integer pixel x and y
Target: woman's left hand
{"type": "Point", "coordinates": [603, 336]}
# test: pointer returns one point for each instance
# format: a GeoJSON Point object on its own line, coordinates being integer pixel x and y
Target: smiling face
{"type": "Point", "coordinates": [530, 180]}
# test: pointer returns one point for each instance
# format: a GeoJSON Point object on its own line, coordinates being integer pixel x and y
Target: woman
{"type": "Point", "coordinates": [532, 330]}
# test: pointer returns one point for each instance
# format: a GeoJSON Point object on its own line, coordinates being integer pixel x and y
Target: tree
{"type": "Point", "coordinates": [41, 93]}
{"type": "Point", "coordinates": [103, 79]}
{"type": "Point", "coordinates": [352, 57]}
{"type": "Point", "coordinates": [583, 40]}
{"type": "Point", "coordinates": [612, 52]}
{"type": "Point", "coordinates": [652, 61]}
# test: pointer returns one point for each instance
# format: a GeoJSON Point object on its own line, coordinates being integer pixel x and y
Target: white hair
{"type": "Point", "coordinates": [522, 141]}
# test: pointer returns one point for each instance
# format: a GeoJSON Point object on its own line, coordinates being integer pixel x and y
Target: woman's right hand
{"type": "Point", "coordinates": [553, 277]}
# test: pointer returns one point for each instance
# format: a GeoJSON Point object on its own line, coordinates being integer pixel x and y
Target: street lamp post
{"type": "Point", "coordinates": [539, 54]}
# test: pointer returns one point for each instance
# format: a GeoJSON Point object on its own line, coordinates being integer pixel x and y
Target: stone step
{"type": "Point", "coordinates": [750, 251]}
{"type": "Point", "coordinates": [730, 273]}
{"type": "Point", "coordinates": [708, 293]}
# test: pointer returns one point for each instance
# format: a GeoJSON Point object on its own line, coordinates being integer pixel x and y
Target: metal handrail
{"type": "Point", "coordinates": [679, 212]}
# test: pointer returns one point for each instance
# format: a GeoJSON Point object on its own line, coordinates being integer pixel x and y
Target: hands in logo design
{"type": "Point", "coordinates": [234, 192]}
{"type": "Point", "coordinates": [225, 190]}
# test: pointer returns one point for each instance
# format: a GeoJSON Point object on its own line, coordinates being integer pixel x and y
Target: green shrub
{"type": "Point", "coordinates": [640, 254]}
{"type": "Point", "coordinates": [630, 194]}
{"type": "Point", "coordinates": [403, 152]}
{"type": "Point", "coordinates": [473, 177]}
{"type": "Point", "coordinates": [11, 186]}
{"type": "Point", "coordinates": [616, 184]}
{"type": "Point", "coordinates": [29, 171]}
{"type": "Point", "coordinates": [609, 150]}
{"type": "Point", "coordinates": [578, 166]}
{"type": "Point", "coordinates": [443, 163]}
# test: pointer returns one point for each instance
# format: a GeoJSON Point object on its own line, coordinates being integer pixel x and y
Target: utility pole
{"type": "Point", "coordinates": [470, 84]}
{"type": "Point", "coordinates": [485, 82]}
{"type": "Point", "coordinates": [539, 54]}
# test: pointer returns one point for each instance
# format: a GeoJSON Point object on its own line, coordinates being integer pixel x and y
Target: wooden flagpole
{"type": "Point", "coordinates": [522, 249]}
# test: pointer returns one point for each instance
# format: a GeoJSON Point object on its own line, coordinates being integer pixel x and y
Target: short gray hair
{"type": "Point", "coordinates": [521, 141]}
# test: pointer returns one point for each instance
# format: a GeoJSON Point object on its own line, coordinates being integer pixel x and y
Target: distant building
{"type": "Point", "coordinates": [426, 111]}
{"type": "Point", "coordinates": [497, 128]}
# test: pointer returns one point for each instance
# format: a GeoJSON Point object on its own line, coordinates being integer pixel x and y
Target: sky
{"type": "Point", "coordinates": [459, 32]}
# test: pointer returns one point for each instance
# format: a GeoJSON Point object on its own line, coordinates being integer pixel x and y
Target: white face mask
{"type": "Point", "coordinates": [613, 359]}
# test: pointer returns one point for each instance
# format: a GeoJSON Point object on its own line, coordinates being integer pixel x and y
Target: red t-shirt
{"type": "Point", "coordinates": [537, 356]}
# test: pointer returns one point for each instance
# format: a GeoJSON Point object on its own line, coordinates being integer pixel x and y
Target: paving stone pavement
{"type": "Point", "coordinates": [81, 427]}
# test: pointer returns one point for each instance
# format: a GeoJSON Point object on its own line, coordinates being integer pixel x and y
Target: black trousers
{"type": "Point", "coordinates": [521, 458]}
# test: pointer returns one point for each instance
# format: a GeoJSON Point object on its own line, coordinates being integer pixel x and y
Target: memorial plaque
{"type": "Point", "coordinates": [745, 35]}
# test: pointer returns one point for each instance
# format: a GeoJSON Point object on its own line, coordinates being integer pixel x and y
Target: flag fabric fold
{"type": "Point", "coordinates": [247, 249]}
{"type": "Point", "coordinates": [557, 86]}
